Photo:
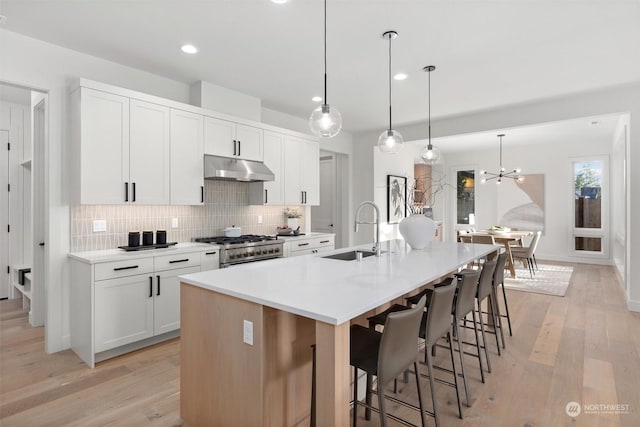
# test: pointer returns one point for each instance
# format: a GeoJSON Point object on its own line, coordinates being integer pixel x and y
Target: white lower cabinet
{"type": "Point", "coordinates": [309, 245]}
{"type": "Point", "coordinates": [123, 311]}
{"type": "Point", "coordinates": [123, 305]}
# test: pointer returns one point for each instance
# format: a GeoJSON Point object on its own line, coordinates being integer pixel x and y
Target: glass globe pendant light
{"type": "Point", "coordinates": [390, 141]}
{"type": "Point", "coordinates": [325, 121]}
{"type": "Point", "coordinates": [430, 155]}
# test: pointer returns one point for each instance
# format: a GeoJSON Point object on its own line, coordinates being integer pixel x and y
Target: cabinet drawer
{"type": "Point", "coordinates": [171, 262]}
{"type": "Point", "coordinates": [301, 245]}
{"type": "Point", "coordinates": [325, 241]}
{"type": "Point", "coordinates": [115, 269]}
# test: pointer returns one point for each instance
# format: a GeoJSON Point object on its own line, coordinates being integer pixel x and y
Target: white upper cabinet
{"type": "Point", "coordinates": [301, 169]}
{"type": "Point", "coordinates": [149, 153]}
{"type": "Point", "coordinates": [229, 139]}
{"type": "Point", "coordinates": [270, 192]}
{"type": "Point", "coordinates": [187, 158]}
{"type": "Point", "coordinates": [102, 147]}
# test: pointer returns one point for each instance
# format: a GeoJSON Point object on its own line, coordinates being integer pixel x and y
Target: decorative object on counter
{"type": "Point", "coordinates": [430, 155]}
{"type": "Point", "coordinates": [152, 246]}
{"type": "Point", "coordinates": [292, 218]}
{"type": "Point", "coordinates": [514, 174]}
{"type": "Point", "coordinates": [161, 237]}
{"type": "Point", "coordinates": [232, 231]}
{"type": "Point", "coordinates": [134, 239]}
{"type": "Point", "coordinates": [390, 140]}
{"type": "Point", "coordinates": [421, 195]}
{"type": "Point", "coordinates": [417, 230]}
{"type": "Point", "coordinates": [147, 238]}
{"type": "Point", "coordinates": [288, 231]}
{"type": "Point", "coordinates": [325, 121]}
{"type": "Point", "coordinates": [396, 198]}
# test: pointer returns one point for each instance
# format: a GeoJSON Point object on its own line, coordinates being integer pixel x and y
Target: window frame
{"type": "Point", "coordinates": [603, 231]}
{"type": "Point", "coordinates": [454, 202]}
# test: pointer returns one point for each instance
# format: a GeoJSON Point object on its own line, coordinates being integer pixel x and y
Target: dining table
{"type": "Point", "coordinates": [506, 238]}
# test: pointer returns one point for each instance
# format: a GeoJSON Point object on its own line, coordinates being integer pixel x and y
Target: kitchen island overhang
{"type": "Point", "coordinates": [290, 303]}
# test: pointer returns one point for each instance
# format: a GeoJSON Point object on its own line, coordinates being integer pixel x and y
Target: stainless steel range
{"type": "Point", "coordinates": [245, 248]}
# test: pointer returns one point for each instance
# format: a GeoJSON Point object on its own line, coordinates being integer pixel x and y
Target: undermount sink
{"type": "Point", "coordinates": [350, 255]}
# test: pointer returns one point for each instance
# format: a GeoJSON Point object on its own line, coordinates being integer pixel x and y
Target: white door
{"type": "Point", "coordinates": [220, 137]}
{"type": "Point", "coordinates": [123, 311]}
{"type": "Point", "coordinates": [323, 215]}
{"type": "Point", "coordinates": [249, 142]}
{"type": "Point", "coordinates": [105, 148]}
{"type": "Point", "coordinates": [187, 158]}
{"type": "Point", "coordinates": [5, 269]}
{"type": "Point", "coordinates": [166, 315]}
{"type": "Point", "coordinates": [39, 217]}
{"type": "Point", "coordinates": [274, 159]}
{"type": "Point", "coordinates": [149, 153]}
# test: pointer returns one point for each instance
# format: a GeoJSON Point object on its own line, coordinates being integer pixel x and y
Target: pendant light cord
{"type": "Point", "coordinates": [429, 106]}
{"type": "Point", "coordinates": [390, 81]}
{"type": "Point", "coordinates": [500, 171]}
{"type": "Point", "coordinates": [325, 52]}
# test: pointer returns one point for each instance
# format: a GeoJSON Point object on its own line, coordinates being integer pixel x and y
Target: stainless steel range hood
{"type": "Point", "coordinates": [216, 167]}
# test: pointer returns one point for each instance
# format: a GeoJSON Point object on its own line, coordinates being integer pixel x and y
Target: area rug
{"type": "Point", "coordinates": [548, 279]}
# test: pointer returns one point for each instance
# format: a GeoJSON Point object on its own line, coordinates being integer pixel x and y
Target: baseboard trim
{"type": "Point", "coordinates": [108, 354]}
{"type": "Point", "coordinates": [633, 305]}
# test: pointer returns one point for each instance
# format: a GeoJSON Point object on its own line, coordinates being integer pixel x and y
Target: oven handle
{"type": "Point", "coordinates": [229, 264]}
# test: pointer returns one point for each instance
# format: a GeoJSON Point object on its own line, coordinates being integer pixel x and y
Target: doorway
{"type": "Point", "coordinates": [331, 215]}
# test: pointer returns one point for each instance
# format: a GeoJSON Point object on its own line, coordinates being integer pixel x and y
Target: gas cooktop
{"type": "Point", "coordinates": [245, 238]}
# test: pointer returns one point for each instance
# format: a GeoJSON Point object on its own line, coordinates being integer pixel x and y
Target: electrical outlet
{"type": "Point", "coordinates": [247, 335]}
{"type": "Point", "coordinates": [174, 222]}
{"type": "Point", "coordinates": [99, 225]}
{"type": "Point", "coordinates": [259, 219]}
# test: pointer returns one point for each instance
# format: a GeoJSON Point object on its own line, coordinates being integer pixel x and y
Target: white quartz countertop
{"type": "Point", "coordinates": [93, 257]}
{"type": "Point", "coordinates": [336, 291]}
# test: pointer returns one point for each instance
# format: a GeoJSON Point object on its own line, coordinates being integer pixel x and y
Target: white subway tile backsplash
{"type": "Point", "coordinates": [226, 204]}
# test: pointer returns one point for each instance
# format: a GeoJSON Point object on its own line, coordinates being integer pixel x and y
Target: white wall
{"type": "Point", "coordinates": [619, 197]}
{"type": "Point", "coordinates": [217, 98]}
{"type": "Point", "coordinates": [620, 99]}
{"type": "Point", "coordinates": [553, 159]}
{"type": "Point", "coordinates": [399, 164]}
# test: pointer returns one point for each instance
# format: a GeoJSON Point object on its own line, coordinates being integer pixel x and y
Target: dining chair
{"type": "Point", "coordinates": [487, 240]}
{"type": "Point", "coordinates": [527, 253]}
{"type": "Point", "coordinates": [386, 355]}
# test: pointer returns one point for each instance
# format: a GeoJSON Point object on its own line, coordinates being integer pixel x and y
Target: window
{"type": "Point", "coordinates": [590, 211]}
{"type": "Point", "coordinates": [465, 197]}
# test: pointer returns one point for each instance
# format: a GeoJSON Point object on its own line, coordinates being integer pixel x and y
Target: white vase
{"type": "Point", "coordinates": [292, 223]}
{"type": "Point", "coordinates": [417, 230]}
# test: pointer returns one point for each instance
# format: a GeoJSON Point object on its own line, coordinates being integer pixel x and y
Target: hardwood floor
{"type": "Point", "coordinates": [584, 347]}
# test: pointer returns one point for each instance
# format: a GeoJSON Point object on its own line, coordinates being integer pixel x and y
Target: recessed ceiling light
{"type": "Point", "coordinates": [400, 76]}
{"type": "Point", "coordinates": [189, 48]}
{"type": "Point", "coordinates": [279, 1]}
{"type": "Point", "coordinates": [595, 123]}
{"type": "Point", "coordinates": [316, 99]}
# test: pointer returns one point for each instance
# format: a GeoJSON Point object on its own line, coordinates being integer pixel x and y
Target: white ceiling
{"type": "Point", "coordinates": [587, 130]}
{"type": "Point", "coordinates": [487, 53]}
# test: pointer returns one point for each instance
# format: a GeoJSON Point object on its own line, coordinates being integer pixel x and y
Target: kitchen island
{"type": "Point", "coordinates": [247, 330]}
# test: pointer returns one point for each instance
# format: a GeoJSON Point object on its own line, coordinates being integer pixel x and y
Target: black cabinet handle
{"type": "Point", "coordinates": [178, 260]}
{"type": "Point", "coordinates": [124, 268]}
{"type": "Point", "coordinates": [239, 146]}
{"type": "Point", "coordinates": [41, 243]}
{"type": "Point", "coordinates": [150, 287]}
{"type": "Point", "coordinates": [266, 197]}
{"type": "Point", "coordinates": [305, 197]}
{"type": "Point", "coordinates": [158, 293]}
{"type": "Point", "coordinates": [210, 253]}
{"type": "Point", "coordinates": [324, 241]}
{"type": "Point", "coordinates": [235, 150]}
{"type": "Point", "coordinates": [133, 184]}
{"type": "Point", "coordinates": [126, 191]}
{"type": "Point", "coordinates": [303, 244]}
{"type": "Point", "coordinates": [202, 193]}
{"type": "Point", "coordinates": [302, 197]}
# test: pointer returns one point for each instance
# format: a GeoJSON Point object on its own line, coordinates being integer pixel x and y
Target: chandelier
{"type": "Point", "coordinates": [513, 174]}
